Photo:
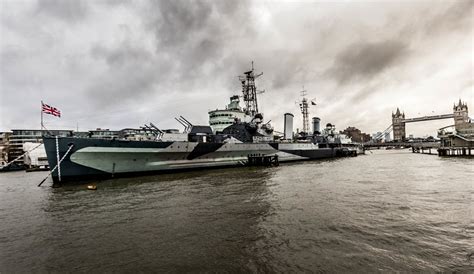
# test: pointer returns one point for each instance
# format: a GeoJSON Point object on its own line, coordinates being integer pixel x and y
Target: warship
{"type": "Point", "coordinates": [242, 142]}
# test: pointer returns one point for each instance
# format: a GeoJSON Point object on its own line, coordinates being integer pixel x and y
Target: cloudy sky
{"type": "Point", "coordinates": [116, 64]}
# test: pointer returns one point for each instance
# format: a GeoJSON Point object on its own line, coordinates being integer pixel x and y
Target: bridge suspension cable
{"type": "Point", "coordinates": [379, 136]}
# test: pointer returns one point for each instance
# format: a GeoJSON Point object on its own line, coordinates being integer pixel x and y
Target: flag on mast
{"type": "Point", "coordinates": [50, 110]}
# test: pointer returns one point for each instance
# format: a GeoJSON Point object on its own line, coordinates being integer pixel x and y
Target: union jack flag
{"type": "Point", "coordinates": [51, 110]}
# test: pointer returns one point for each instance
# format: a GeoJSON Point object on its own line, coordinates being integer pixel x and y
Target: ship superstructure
{"type": "Point", "coordinates": [232, 144]}
{"type": "Point", "coordinates": [222, 118]}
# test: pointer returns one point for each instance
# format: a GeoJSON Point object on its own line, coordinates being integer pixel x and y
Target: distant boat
{"type": "Point", "coordinates": [35, 158]}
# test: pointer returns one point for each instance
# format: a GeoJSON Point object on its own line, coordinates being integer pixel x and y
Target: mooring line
{"type": "Point", "coordinates": [58, 164]}
{"type": "Point", "coordinates": [9, 163]}
{"type": "Point", "coordinates": [57, 158]}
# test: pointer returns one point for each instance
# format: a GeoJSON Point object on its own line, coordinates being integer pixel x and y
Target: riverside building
{"type": "Point", "coordinates": [20, 136]}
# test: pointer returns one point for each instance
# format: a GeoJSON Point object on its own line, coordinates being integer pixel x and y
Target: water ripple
{"type": "Point", "coordinates": [384, 212]}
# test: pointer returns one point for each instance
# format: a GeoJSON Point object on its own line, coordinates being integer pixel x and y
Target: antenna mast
{"type": "Point", "coordinates": [249, 91]}
{"type": "Point", "coordinates": [304, 111]}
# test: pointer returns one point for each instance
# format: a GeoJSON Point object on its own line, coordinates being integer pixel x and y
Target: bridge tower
{"type": "Point", "coordinates": [398, 125]}
{"type": "Point", "coordinates": [461, 115]}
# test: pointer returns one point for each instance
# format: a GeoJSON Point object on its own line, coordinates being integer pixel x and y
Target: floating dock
{"type": "Point", "coordinates": [456, 151]}
{"type": "Point", "coordinates": [426, 148]}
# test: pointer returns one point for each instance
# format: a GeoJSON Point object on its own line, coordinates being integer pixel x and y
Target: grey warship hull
{"type": "Point", "coordinates": [84, 158]}
{"type": "Point", "coordinates": [239, 143]}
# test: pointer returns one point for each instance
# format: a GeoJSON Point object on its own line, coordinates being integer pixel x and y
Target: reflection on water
{"type": "Point", "coordinates": [389, 210]}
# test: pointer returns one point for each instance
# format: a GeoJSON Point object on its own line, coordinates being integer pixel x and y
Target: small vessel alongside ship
{"type": "Point", "coordinates": [236, 136]}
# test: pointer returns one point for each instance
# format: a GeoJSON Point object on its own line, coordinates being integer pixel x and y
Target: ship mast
{"type": "Point", "coordinates": [249, 91]}
{"type": "Point", "coordinates": [304, 110]}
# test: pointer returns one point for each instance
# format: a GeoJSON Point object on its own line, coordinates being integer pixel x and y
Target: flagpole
{"type": "Point", "coordinates": [42, 117]}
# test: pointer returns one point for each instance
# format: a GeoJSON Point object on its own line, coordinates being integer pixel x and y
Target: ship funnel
{"type": "Point", "coordinates": [316, 125]}
{"type": "Point", "coordinates": [288, 120]}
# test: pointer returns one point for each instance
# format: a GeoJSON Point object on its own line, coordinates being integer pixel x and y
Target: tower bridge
{"type": "Point", "coordinates": [460, 115]}
{"type": "Point", "coordinates": [455, 140]}
{"type": "Point", "coordinates": [399, 121]}
{"type": "Point", "coordinates": [429, 118]}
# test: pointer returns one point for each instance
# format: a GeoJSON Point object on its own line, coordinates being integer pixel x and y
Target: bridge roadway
{"type": "Point", "coordinates": [428, 118]}
{"type": "Point", "coordinates": [403, 144]}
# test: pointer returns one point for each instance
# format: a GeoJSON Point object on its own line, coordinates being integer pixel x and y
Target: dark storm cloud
{"type": "Point", "coordinates": [176, 23]}
{"type": "Point", "coordinates": [363, 61]}
{"type": "Point", "coordinates": [195, 33]}
{"type": "Point", "coordinates": [457, 17]}
{"type": "Point", "coordinates": [141, 59]}
{"type": "Point", "coordinates": [179, 20]}
{"type": "Point", "coordinates": [435, 22]}
{"type": "Point", "coordinates": [289, 70]}
{"type": "Point", "coordinates": [67, 10]}
{"type": "Point", "coordinates": [364, 93]}
{"type": "Point", "coordinates": [191, 40]}
{"type": "Point", "coordinates": [121, 86]}
{"type": "Point", "coordinates": [123, 55]}
{"type": "Point", "coordinates": [131, 72]}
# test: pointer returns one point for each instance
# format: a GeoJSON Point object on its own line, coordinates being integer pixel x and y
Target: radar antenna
{"type": "Point", "coordinates": [250, 91]}
{"type": "Point", "coordinates": [304, 106]}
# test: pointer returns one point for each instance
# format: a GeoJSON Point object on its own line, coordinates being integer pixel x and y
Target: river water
{"type": "Point", "coordinates": [385, 211]}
